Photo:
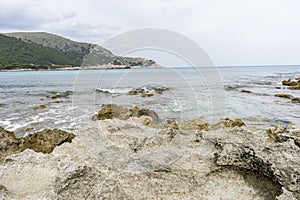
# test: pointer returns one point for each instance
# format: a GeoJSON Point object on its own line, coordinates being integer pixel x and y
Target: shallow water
{"type": "Point", "coordinates": [204, 92]}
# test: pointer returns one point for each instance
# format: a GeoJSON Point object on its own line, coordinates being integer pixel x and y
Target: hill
{"type": "Point", "coordinates": [43, 50]}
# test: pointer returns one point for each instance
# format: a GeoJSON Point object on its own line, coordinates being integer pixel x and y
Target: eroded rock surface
{"type": "Point", "coordinates": [44, 141]}
{"type": "Point", "coordinates": [124, 159]}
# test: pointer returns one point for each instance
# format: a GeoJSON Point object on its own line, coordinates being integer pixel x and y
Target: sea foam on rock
{"type": "Point", "coordinates": [124, 159]}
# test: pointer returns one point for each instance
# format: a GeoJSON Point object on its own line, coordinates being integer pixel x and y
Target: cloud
{"type": "Point", "coordinates": [233, 32]}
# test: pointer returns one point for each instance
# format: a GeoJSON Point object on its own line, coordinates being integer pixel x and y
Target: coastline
{"type": "Point", "coordinates": [99, 67]}
{"type": "Point", "coordinates": [112, 158]}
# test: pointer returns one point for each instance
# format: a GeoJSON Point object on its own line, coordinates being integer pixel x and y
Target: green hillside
{"type": "Point", "coordinates": [42, 50]}
{"type": "Point", "coordinates": [15, 53]}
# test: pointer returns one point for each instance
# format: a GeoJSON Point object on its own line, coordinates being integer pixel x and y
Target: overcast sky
{"type": "Point", "coordinates": [233, 32]}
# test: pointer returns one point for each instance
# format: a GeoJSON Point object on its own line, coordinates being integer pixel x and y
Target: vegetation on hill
{"type": "Point", "coordinates": [15, 53]}
{"type": "Point", "coordinates": [37, 50]}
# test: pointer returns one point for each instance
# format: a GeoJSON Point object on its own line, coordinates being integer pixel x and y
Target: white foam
{"type": "Point", "coordinates": [114, 90]}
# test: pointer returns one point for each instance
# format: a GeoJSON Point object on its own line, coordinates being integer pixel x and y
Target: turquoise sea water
{"type": "Point", "coordinates": [207, 93]}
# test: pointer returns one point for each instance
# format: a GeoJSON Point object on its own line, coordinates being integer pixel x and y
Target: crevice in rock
{"type": "Point", "coordinates": [245, 180]}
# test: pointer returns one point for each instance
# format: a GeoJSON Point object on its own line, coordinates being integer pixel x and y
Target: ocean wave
{"type": "Point", "coordinates": [114, 90]}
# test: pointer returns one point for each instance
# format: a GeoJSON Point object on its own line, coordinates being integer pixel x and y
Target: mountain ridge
{"type": "Point", "coordinates": [64, 52]}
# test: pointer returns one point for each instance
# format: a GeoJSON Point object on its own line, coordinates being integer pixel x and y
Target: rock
{"type": "Point", "coordinates": [57, 102]}
{"type": "Point", "coordinates": [55, 95]}
{"type": "Point", "coordinates": [229, 123]}
{"type": "Point", "coordinates": [295, 100]}
{"type": "Point", "coordinates": [133, 92]}
{"type": "Point", "coordinates": [193, 125]}
{"type": "Point", "coordinates": [3, 192]}
{"type": "Point", "coordinates": [273, 132]}
{"type": "Point", "coordinates": [44, 141]}
{"type": "Point", "coordinates": [9, 144]}
{"type": "Point", "coordinates": [288, 96]}
{"type": "Point", "coordinates": [246, 91]}
{"type": "Point", "coordinates": [112, 111]}
{"type": "Point", "coordinates": [144, 120]}
{"type": "Point", "coordinates": [278, 161]}
{"type": "Point", "coordinates": [146, 95]}
{"type": "Point", "coordinates": [148, 91]}
{"type": "Point", "coordinates": [123, 159]}
{"type": "Point", "coordinates": [137, 112]}
{"type": "Point", "coordinates": [293, 85]}
{"type": "Point", "coordinates": [40, 107]}
{"type": "Point", "coordinates": [2, 105]}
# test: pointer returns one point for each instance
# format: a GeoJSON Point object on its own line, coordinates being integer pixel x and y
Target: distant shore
{"type": "Point", "coordinates": [99, 67]}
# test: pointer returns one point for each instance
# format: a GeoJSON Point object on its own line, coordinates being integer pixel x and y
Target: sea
{"type": "Point", "coordinates": [31, 101]}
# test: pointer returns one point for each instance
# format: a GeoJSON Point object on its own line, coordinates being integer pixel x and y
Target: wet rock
{"type": "Point", "coordinates": [9, 144]}
{"type": "Point", "coordinates": [293, 84]}
{"type": "Point", "coordinates": [289, 82]}
{"type": "Point", "coordinates": [44, 141]}
{"type": "Point", "coordinates": [40, 107]}
{"type": "Point", "coordinates": [57, 102]}
{"type": "Point", "coordinates": [55, 95]}
{"type": "Point", "coordinates": [148, 90]}
{"type": "Point", "coordinates": [295, 100]}
{"type": "Point", "coordinates": [288, 96]}
{"type": "Point", "coordinates": [133, 92]}
{"type": "Point", "coordinates": [112, 111]}
{"type": "Point", "coordinates": [295, 87]}
{"type": "Point", "coordinates": [147, 95]}
{"type": "Point", "coordinates": [231, 123]}
{"type": "Point", "coordinates": [2, 105]}
{"type": "Point", "coordinates": [246, 91]}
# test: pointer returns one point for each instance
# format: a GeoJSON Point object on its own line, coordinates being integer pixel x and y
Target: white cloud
{"type": "Point", "coordinates": [233, 32]}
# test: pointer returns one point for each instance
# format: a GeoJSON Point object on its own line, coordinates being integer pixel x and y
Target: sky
{"type": "Point", "coordinates": [232, 32]}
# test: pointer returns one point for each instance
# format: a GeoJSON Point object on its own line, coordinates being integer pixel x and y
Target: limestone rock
{"type": "Point", "coordinates": [124, 159]}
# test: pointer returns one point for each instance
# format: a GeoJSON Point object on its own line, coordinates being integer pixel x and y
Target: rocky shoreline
{"type": "Point", "coordinates": [124, 154]}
